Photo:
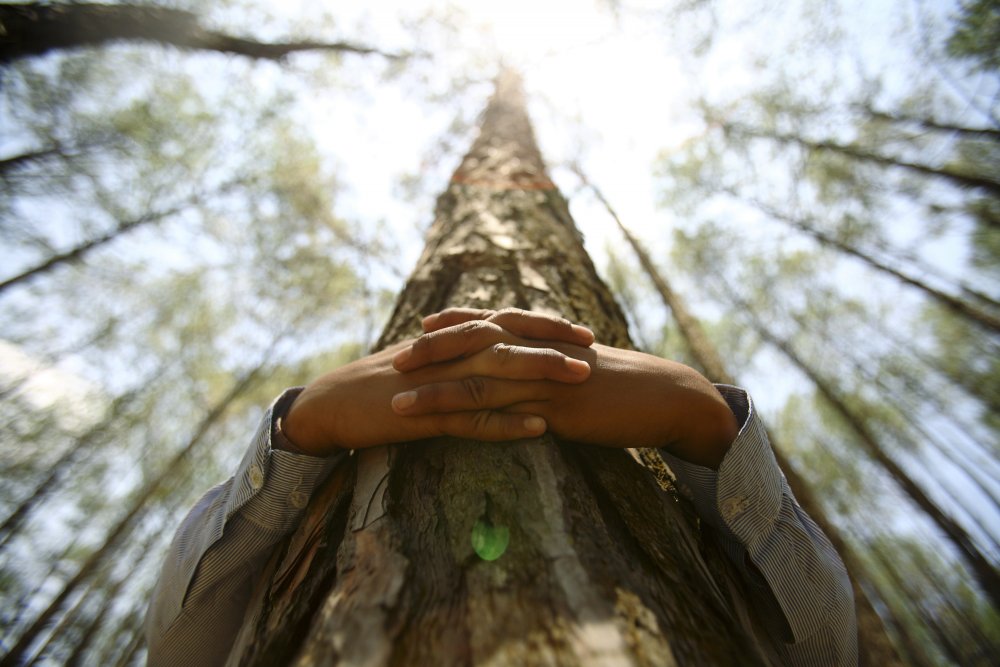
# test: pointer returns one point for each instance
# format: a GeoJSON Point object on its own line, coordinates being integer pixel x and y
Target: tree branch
{"type": "Point", "coordinates": [34, 29]}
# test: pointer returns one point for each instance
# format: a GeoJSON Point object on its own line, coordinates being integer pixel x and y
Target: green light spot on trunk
{"type": "Point", "coordinates": [489, 541]}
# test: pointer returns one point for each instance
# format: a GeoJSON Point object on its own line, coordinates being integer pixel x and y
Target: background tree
{"type": "Point", "coordinates": [254, 182]}
{"type": "Point", "coordinates": [32, 29]}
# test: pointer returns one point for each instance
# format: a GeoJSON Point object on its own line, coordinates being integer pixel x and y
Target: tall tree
{"type": "Point", "coordinates": [873, 644]}
{"type": "Point", "coordinates": [587, 560]}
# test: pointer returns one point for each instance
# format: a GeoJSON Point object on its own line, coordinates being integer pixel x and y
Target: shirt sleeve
{"type": "Point", "coordinates": [792, 571]}
{"type": "Point", "coordinates": [207, 578]}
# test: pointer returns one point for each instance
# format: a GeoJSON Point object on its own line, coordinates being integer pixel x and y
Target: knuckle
{"type": "Point", "coordinates": [477, 326]}
{"type": "Point", "coordinates": [481, 421]}
{"type": "Point", "coordinates": [504, 353]}
{"type": "Point", "coordinates": [474, 331]}
{"type": "Point", "coordinates": [423, 343]}
{"type": "Point", "coordinates": [554, 358]}
{"type": "Point", "coordinates": [475, 389]}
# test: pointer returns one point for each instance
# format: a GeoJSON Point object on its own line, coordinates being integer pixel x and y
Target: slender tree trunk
{"type": "Point", "coordinates": [874, 647]}
{"type": "Point", "coordinates": [128, 653]}
{"type": "Point", "coordinates": [957, 178]}
{"type": "Point", "coordinates": [926, 618]}
{"type": "Point", "coordinates": [9, 164]}
{"type": "Point", "coordinates": [978, 133]}
{"type": "Point", "coordinates": [954, 304]}
{"type": "Point", "coordinates": [903, 620]}
{"type": "Point", "coordinates": [127, 522]}
{"type": "Point", "coordinates": [34, 29]}
{"type": "Point", "coordinates": [533, 552]}
{"type": "Point", "coordinates": [983, 570]}
{"type": "Point", "coordinates": [96, 623]}
{"type": "Point", "coordinates": [78, 252]}
{"type": "Point", "coordinates": [910, 405]}
{"type": "Point", "coordinates": [50, 483]}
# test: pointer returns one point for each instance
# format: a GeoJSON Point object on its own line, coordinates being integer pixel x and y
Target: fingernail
{"type": "Point", "coordinates": [404, 400]}
{"type": "Point", "coordinates": [401, 356]}
{"type": "Point", "coordinates": [428, 321]}
{"type": "Point", "coordinates": [577, 366]}
{"type": "Point", "coordinates": [534, 424]}
{"type": "Point", "coordinates": [584, 332]}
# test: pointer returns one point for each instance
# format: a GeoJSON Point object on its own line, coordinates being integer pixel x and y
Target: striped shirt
{"type": "Point", "coordinates": [221, 547]}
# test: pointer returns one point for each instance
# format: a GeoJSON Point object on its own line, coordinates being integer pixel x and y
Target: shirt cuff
{"type": "Point", "coordinates": [278, 482]}
{"type": "Point", "coordinates": [743, 498]}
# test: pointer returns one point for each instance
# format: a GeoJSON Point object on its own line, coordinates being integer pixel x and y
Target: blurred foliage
{"type": "Point", "coordinates": [227, 251]}
{"type": "Point", "coordinates": [977, 34]}
{"type": "Point", "coordinates": [837, 262]}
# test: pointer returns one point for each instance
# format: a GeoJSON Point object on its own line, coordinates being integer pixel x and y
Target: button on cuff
{"type": "Point", "coordinates": [298, 499]}
{"type": "Point", "coordinates": [256, 477]}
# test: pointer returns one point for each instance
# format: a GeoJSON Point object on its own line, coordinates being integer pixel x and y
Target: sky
{"type": "Point", "coordinates": [608, 89]}
{"type": "Point", "coordinates": [611, 91]}
{"type": "Point", "coordinates": [615, 92]}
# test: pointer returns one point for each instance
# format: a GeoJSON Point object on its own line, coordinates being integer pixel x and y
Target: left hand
{"type": "Point", "coordinates": [631, 399]}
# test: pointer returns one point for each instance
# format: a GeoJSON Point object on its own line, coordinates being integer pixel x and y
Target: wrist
{"type": "Point", "coordinates": [296, 432]}
{"type": "Point", "coordinates": [709, 426]}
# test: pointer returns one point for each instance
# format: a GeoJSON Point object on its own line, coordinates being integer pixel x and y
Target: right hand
{"type": "Point", "coordinates": [351, 407]}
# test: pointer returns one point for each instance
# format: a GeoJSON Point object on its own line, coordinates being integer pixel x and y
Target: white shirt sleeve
{"type": "Point", "coordinates": [749, 505]}
{"type": "Point", "coordinates": [202, 594]}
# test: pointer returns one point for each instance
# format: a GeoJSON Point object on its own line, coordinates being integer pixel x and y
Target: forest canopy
{"type": "Point", "coordinates": [203, 203]}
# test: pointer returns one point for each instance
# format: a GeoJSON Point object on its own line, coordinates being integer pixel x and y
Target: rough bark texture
{"type": "Point", "coordinates": [874, 647]}
{"type": "Point", "coordinates": [602, 566]}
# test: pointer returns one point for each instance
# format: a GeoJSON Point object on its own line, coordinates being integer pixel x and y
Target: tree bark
{"type": "Point", "coordinates": [874, 647]}
{"type": "Point", "coordinates": [590, 561]}
{"type": "Point", "coordinates": [35, 29]}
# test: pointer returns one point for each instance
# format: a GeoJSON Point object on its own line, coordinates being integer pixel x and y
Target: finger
{"type": "Point", "coordinates": [452, 316]}
{"type": "Point", "coordinates": [541, 326]}
{"type": "Point", "coordinates": [488, 425]}
{"type": "Point", "coordinates": [468, 394]}
{"type": "Point", "coordinates": [454, 342]}
{"type": "Point", "coordinates": [518, 362]}
{"type": "Point", "coordinates": [524, 323]}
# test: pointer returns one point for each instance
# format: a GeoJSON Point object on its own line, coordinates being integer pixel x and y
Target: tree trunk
{"type": "Point", "coordinates": [874, 647]}
{"type": "Point", "coordinates": [533, 552]}
{"type": "Point", "coordinates": [954, 304]}
{"type": "Point", "coordinates": [957, 178]}
{"type": "Point", "coordinates": [982, 569]}
{"type": "Point", "coordinates": [126, 523]}
{"type": "Point", "coordinates": [54, 474]}
{"type": "Point", "coordinates": [930, 124]}
{"type": "Point", "coordinates": [34, 29]}
{"type": "Point", "coordinates": [14, 162]}
{"type": "Point", "coordinates": [81, 250]}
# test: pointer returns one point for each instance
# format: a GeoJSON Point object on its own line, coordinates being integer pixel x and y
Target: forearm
{"type": "Point", "coordinates": [221, 546]}
{"type": "Point", "coordinates": [790, 566]}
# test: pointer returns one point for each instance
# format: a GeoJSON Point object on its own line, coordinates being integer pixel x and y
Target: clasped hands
{"type": "Point", "coordinates": [509, 374]}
